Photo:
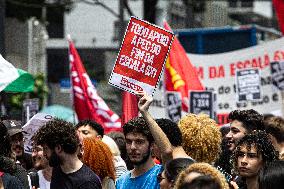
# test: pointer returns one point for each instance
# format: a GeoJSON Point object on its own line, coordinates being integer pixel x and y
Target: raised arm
{"type": "Point", "coordinates": [160, 137]}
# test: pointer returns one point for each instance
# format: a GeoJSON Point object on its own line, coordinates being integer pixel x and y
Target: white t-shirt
{"type": "Point", "coordinates": [43, 183]}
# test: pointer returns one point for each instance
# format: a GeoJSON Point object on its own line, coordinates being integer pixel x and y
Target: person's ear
{"type": "Point", "coordinates": [58, 149]}
{"type": "Point", "coordinates": [99, 137]}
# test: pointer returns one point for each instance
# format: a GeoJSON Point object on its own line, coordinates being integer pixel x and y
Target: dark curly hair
{"type": "Point", "coordinates": [171, 130]}
{"type": "Point", "coordinates": [251, 119]}
{"type": "Point", "coordinates": [275, 127]}
{"type": "Point", "coordinates": [97, 127]}
{"type": "Point", "coordinates": [261, 141]}
{"type": "Point", "coordinates": [138, 125]}
{"type": "Point", "coordinates": [272, 175]}
{"type": "Point", "coordinates": [58, 132]}
{"type": "Point", "coordinates": [175, 166]}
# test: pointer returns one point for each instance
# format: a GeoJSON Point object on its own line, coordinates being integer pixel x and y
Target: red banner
{"type": "Point", "coordinates": [279, 8]}
{"type": "Point", "coordinates": [129, 106]}
{"type": "Point", "coordinates": [141, 58]}
{"type": "Point", "coordinates": [88, 104]}
{"type": "Point", "coordinates": [180, 75]}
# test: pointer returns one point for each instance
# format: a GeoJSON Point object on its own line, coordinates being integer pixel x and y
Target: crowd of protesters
{"type": "Point", "coordinates": [194, 153]}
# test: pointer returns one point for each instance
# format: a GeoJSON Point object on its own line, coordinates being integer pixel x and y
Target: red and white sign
{"type": "Point", "coordinates": [141, 58]}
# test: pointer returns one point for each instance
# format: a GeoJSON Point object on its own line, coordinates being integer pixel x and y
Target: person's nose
{"type": "Point", "coordinates": [133, 146]}
{"type": "Point", "coordinates": [229, 135]}
{"type": "Point", "coordinates": [244, 161]}
{"type": "Point", "coordinates": [34, 153]}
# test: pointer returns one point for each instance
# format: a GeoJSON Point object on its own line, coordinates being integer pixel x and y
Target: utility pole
{"type": "Point", "coordinates": [2, 27]}
{"type": "Point", "coordinates": [190, 17]}
{"type": "Point", "coordinates": [149, 10]}
{"type": "Point", "coordinates": [2, 51]}
{"type": "Point", "coordinates": [121, 20]}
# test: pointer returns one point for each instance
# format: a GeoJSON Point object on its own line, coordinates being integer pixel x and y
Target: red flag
{"type": "Point", "coordinates": [279, 8]}
{"type": "Point", "coordinates": [180, 75]}
{"type": "Point", "coordinates": [88, 104]}
{"type": "Point", "coordinates": [129, 106]}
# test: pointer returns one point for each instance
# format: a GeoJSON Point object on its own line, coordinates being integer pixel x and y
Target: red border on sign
{"type": "Point", "coordinates": [133, 44]}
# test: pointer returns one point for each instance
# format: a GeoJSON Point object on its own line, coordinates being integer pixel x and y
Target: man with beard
{"type": "Point", "coordinates": [17, 141]}
{"type": "Point", "coordinates": [252, 152]}
{"type": "Point", "coordinates": [44, 171]}
{"type": "Point", "coordinates": [7, 166]}
{"type": "Point", "coordinates": [242, 122]}
{"type": "Point", "coordinates": [139, 146]}
{"type": "Point", "coordinates": [61, 146]}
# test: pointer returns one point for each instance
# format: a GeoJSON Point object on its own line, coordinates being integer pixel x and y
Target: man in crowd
{"type": "Point", "coordinates": [17, 140]}
{"type": "Point", "coordinates": [252, 152]}
{"type": "Point", "coordinates": [6, 164]}
{"type": "Point", "coordinates": [242, 122]}
{"type": "Point", "coordinates": [40, 163]}
{"type": "Point", "coordinates": [89, 128]}
{"type": "Point", "coordinates": [139, 144]}
{"type": "Point", "coordinates": [274, 126]}
{"type": "Point", "coordinates": [140, 138]}
{"type": "Point", "coordinates": [61, 146]}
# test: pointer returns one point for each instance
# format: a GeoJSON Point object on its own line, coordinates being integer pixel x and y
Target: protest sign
{"type": "Point", "coordinates": [31, 127]}
{"type": "Point", "coordinates": [217, 72]}
{"type": "Point", "coordinates": [30, 108]}
{"type": "Point", "coordinates": [173, 105]}
{"type": "Point", "coordinates": [248, 85]}
{"type": "Point", "coordinates": [142, 57]}
{"type": "Point", "coordinates": [202, 102]}
{"type": "Point", "coordinates": [277, 74]}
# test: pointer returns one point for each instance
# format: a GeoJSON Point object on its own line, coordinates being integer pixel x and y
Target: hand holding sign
{"type": "Point", "coordinates": [144, 101]}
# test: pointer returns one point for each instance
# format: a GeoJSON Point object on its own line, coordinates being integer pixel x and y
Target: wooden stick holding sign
{"type": "Point", "coordinates": [142, 56]}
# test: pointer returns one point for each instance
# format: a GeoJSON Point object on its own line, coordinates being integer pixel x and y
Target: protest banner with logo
{"type": "Point", "coordinates": [202, 102]}
{"type": "Point", "coordinates": [277, 74]}
{"type": "Point", "coordinates": [31, 127]}
{"type": "Point", "coordinates": [217, 72]}
{"type": "Point", "coordinates": [248, 85]}
{"type": "Point", "coordinates": [173, 105]}
{"type": "Point", "coordinates": [142, 57]}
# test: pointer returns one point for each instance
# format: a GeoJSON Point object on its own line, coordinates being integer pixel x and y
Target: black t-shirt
{"type": "Point", "coordinates": [84, 178]}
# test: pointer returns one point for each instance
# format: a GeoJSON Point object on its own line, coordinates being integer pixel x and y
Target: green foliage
{"type": "Point", "coordinates": [40, 89]}
{"type": "Point", "coordinates": [15, 100]}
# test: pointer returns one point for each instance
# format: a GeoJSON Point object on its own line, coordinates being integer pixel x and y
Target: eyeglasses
{"type": "Point", "coordinates": [160, 177]}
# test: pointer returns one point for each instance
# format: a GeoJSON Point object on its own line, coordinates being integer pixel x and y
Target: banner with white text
{"type": "Point", "coordinates": [142, 57]}
{"type": "Point", "coordinates": [218, 71]}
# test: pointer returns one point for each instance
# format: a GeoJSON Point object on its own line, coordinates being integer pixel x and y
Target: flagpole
{"type": "Point", "coordinates": [2, 51]}
{"type": "Point", "coordinates": [71, 84]}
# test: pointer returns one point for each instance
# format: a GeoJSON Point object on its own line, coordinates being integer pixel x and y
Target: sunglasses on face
{"type": "Point", "coordinates": [160, 177]}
